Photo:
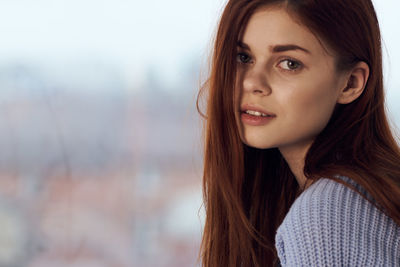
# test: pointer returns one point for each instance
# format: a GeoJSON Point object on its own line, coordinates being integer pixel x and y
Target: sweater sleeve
{"type": "Point", "coordinates": [329, 224]}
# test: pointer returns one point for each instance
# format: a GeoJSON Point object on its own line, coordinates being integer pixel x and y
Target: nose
{"type": "Point", "coordinates": [255, 81]}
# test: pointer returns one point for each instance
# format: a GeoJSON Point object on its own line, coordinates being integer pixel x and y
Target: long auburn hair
{"type": "Point", "coordinates": [247, 191]}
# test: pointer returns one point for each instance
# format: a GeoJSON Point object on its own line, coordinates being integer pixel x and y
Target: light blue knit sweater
{"type": "Point", "coordinates": [331, 225]}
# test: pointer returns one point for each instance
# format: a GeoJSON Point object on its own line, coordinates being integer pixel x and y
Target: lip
{"type": "Point", "coordinates": [255, 120]}
{"type": "Point", "coordinates": [254, 107]}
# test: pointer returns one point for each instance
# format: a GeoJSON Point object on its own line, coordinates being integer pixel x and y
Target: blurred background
{"type": "Point", "coordinates": [100, 139]}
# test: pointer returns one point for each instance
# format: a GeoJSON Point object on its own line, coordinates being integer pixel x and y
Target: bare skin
{"type": "Point", "coordinates": [300, 86]}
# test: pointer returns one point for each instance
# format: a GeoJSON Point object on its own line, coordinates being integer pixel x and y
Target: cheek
{"type": "Point", "coordinates": [238, 88]}
{"type": "Point", "coordinates": [311, 104]}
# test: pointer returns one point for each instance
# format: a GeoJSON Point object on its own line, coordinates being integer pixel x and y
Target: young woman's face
{"type": "Point", "coordinates": [283, 70]}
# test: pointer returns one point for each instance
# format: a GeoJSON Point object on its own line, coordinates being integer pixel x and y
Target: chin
{"type": "Point", "coordinates": [258, 144]}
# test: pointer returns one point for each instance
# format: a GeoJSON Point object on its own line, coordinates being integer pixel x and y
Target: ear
{"type": "Point", "coordinates": [356, 81]}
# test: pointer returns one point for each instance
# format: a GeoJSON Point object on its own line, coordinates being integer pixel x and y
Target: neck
{"type": "Point", "coordinates": [295, 157]}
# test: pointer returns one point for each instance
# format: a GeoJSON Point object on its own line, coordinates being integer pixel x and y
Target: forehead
{"type": "Point", "coordinates": [273, 26]}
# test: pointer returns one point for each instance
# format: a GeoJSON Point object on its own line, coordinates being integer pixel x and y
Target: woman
{"type": "Point", "coordinates": [300, 165]}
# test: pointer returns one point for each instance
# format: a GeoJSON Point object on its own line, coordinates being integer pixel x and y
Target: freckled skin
{"type": "Point", "coordinates": [303, 100]}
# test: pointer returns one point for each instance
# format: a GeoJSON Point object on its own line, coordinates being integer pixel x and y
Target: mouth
{"type": "Point", "coordinates": [256, 111]}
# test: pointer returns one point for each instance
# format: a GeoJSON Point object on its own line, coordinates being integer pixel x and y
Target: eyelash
{"type": "Point", "coordinates": [300, 65]}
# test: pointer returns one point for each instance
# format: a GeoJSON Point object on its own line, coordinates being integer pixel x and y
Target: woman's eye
{"type": "Point", "coordinates": [242, 58]}
{"type": "Point", "coordinates": [290, 65]}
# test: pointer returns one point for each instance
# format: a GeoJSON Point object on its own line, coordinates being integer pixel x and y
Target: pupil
{"type": "Point", "coordinates": [292, 64]}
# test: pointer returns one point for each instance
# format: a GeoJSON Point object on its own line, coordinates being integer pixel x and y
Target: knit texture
{"type": "Point", "coordinates": [329, 224]}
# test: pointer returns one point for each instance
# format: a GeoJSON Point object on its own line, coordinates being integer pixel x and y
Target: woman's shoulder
{"type": "Point", "coordinates": [331, 216]}
{"type": "Point", "coordinates": [327, 199]}
{"type": "Point", "coordinates": [326, 190]}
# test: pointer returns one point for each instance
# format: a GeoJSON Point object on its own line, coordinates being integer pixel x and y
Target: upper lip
{"type": "Point", "coordinates": [254, 107]}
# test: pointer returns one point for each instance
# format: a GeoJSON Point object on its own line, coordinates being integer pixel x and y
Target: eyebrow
{"type": "Point", "coordinates": [277, 48]}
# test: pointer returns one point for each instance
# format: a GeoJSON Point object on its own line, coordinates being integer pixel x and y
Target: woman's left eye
{"type": "Point", "coordinates": [290, 65]}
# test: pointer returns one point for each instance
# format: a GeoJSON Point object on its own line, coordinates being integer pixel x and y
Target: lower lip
{"type": "Point", "coordinates": [255, 120]}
